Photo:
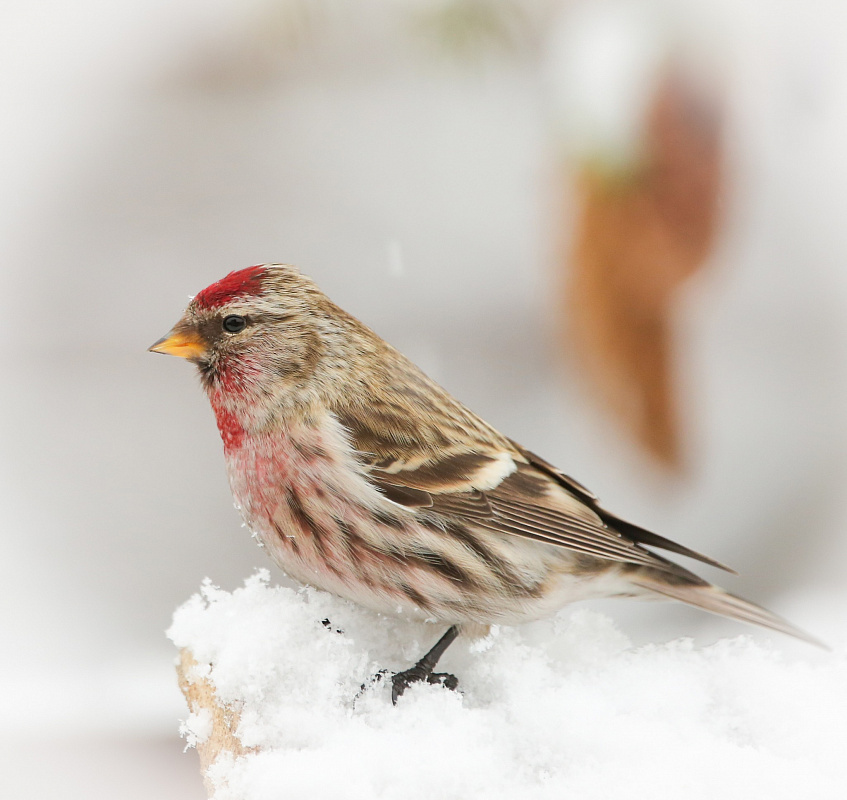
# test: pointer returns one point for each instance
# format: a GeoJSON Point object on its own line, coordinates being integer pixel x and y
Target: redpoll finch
{"type": "Point", "coordinates": [363, 477]}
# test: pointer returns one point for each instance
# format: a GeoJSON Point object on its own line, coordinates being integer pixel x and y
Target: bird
{"type": "Point", "coordinates": [361, 476]}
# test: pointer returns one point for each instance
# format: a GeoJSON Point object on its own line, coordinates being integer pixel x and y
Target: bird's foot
{"type": "Point", "coordinates": [401, 681]}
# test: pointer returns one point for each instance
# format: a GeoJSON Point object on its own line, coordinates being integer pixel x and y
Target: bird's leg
{"type": "Point", "coordinates": [423, 670]}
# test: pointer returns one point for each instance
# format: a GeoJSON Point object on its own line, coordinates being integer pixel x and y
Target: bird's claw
{"type": "Point", "coordinates": [401, 681]}
{"type": "Point", "coordinates": [444, 679]}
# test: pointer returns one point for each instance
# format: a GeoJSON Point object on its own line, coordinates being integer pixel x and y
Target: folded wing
{"type": "Point", "coordinates": [521, 495]}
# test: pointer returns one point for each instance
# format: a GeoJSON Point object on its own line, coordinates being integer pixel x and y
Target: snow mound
{"type": "Point", "coordinates": [555, 709]}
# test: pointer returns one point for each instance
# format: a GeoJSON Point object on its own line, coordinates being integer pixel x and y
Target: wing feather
{"type": "Point", "coordinates": [479, 477]}
{"type": "Point", "coordinates": [525, 503]}
{"type": "Point", "coordinates": [634, 532]}
{"type": "Point", "coordinates": [578, 537]}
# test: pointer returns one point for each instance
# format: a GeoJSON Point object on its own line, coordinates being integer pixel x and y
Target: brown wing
{"type": "Point", "coordinates": [426, 450]}
{"type": "Point", "coordinates": [528, 498]}
{"type": "Point", "coordinates": [508, 495]}
{"type": "Point", "coordinates": [634, 532]}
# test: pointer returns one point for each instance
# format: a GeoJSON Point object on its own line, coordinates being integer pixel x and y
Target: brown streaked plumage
{"type": "Point", "coordinates": [362, 476]}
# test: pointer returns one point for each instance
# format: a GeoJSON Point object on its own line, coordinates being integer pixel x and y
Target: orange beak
{"type": "Point", "coordinates": [182, 343]}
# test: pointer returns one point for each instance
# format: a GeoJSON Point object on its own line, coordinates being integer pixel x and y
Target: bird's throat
{"type": "Point", "coordinates": [229, 417]}
{"type": "Point", "coordinates": [231, 429]}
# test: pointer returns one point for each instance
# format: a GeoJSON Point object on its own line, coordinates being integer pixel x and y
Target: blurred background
{"type": "Point", "coordinates": [615, 229]}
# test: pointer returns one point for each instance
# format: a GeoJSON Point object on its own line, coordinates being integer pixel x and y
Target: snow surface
{"type": "Point", "coordinates": [560, 708]}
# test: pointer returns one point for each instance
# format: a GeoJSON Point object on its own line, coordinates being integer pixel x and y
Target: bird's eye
{"type": "Point", "coordinates": [234, 323]}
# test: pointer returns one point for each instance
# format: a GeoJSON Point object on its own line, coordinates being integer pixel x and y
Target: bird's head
{"type": "Point", "coordinates": [257, 337]}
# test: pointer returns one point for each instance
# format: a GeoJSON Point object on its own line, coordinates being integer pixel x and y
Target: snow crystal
{"type": "Point", "coordinates": [560, 708]}
{"type": "Point", "coordinates": [197, 728]}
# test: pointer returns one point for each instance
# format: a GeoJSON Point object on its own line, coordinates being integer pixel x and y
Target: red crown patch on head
{"type": "Point", "coordinates": [237, 284]}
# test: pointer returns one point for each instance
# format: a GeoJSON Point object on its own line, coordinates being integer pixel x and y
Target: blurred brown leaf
{"type": "Point", "coordinates": [638, 236]}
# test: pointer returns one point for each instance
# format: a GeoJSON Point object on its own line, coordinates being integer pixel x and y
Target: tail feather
{"type": "Point", "coordinates": [717, 601]}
